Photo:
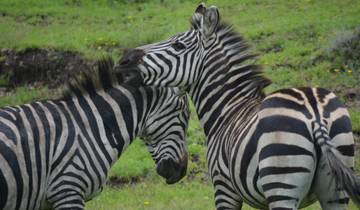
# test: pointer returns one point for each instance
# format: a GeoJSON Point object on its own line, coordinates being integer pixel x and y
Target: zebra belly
{"type": "Point", "coordinates": [248, 194]}
{"type": "Point", "coordinates": [245, 175]}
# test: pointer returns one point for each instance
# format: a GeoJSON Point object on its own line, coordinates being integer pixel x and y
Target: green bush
{"type": "Point", "coordinates": [345, 50]}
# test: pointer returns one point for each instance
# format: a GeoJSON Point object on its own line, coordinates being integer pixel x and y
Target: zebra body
{"type": "Point", "coordinates": [280, 152]}
{"type": "Point", "coordinates": [57, 153]}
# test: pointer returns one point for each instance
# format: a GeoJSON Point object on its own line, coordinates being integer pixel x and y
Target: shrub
{"type": "Point", "coordinates": [345, 50]}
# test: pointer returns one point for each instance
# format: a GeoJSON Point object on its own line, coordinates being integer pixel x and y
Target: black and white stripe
{"type": "Point", "coordinates": [279, 152]}
{"type": "Point", "coordinates": [57, 153]}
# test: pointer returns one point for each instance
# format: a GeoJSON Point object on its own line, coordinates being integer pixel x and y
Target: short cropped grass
{"type": "Point", "coordinates": [21, 95]}
{"type": "Point", "coordinates": [155, 195]}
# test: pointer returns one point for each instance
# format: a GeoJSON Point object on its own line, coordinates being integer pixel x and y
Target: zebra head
{"type": "Point", "coordinates": [179, 60]}
{"type": "Point", "coordinates": [165, 134]}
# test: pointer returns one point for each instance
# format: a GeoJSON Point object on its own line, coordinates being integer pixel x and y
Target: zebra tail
{"type": "Point", "coordinates": [345, 177]}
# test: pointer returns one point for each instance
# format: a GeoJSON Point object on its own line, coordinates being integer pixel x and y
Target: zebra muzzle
{"type": "Point", "coordinates": [131, 58]}
{"type": "Point", "coordinates": [130, 77]}
{"type": "Point", "coordinates": [127, 67]}
{"type": "Point", "coordinates": [171, 170]}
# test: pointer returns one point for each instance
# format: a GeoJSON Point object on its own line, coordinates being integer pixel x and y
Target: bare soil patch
{"type": "Point", "coordinates": [45, 66]}
{"type": "Point", "coordinates": [120, 182]}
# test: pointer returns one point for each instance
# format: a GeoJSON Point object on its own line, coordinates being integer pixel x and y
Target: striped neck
{"type": "Point", "coordinates": [227, 82]}
{"type": "Point", "coordinates": [112, 116]}
{"type": "Point", "coordinates": [217, 101]}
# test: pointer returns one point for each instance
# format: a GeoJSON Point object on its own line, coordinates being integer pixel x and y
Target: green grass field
{"type": "Point", "coordinates": [293, 40]}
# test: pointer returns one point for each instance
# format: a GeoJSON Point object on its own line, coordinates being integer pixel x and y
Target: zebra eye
{"type": "Point", "coordinates": [178, 46]}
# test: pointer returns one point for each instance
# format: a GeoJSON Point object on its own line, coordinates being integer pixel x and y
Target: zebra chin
{"type": "Point", "coordinates": [171, 170]}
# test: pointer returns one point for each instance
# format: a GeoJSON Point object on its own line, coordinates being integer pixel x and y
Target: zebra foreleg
{"type": "Point", "coordinates": [67, 200]}
{"type": "Point", "coordinates": [225, 196]}
{"type": "Point", "coordinates": [225, 202]}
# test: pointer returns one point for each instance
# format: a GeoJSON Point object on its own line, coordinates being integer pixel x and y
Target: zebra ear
{"type": "Point", "coordinates": [197, 18]}
{"type": "Point", "coordinates": [210, 21]}
{"type": "Point", "coordinates": [201, 9]}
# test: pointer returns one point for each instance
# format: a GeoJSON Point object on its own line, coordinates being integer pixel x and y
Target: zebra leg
{"type": "Point", "coordinates": [286, 169]}
{"type": "Point", "coordinates": [329, 195]}
{"type": "Point", "coordinates": [286, 192]}
{"type": "Point", "coordinates": [224, 202]}
{"type": "Point", "coordinates": [226, 197]}
{"type": "Point", "coordinates": [67, 200]}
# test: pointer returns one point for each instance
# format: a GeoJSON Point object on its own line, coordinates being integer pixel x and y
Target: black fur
{"type": "Point", "coordinates": [102, 77]}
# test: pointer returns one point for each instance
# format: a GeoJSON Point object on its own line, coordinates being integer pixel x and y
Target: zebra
{"type": "Point", "coordinates": [280, 151]}
{"type": "Point", "coordinates": [56, 154]}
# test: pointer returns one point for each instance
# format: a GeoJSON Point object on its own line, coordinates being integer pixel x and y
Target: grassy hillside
{"type": "Point", "coordinates": [295, 41]}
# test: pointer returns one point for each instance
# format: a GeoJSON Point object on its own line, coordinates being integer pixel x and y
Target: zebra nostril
{"type": "Point", "coordinates": [131, 57]}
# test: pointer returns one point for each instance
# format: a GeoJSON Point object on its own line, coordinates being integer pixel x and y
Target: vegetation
{"type": "Point", "coordinates": [345, 50]}
{"type": "Point", "coordinates": [300, 43]}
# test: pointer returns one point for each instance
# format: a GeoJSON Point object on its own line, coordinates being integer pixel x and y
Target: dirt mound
{"type": "Point", "coordinates": [124, 181]}
{"type": "Point", "coordinates": [44, 66]}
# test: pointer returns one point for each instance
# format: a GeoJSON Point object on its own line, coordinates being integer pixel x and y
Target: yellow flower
{"type": "Point", "coordinates": [146, 203]}
{"type": "Point", "coordinates": [337, 70]}
{"type": "Point", "coordinates": [349, 71]}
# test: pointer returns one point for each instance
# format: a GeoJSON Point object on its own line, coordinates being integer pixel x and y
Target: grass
{"type": "Point", "coordinates": [140, 159]}
{"type": "Point", "coordinates": [292, 38]}
{"type": "Point", "coordinates": [22, 95]}
{"type": "Point", "coordinates": [155, 195]}
{"type": "Point", "coordinates": [55, 24]}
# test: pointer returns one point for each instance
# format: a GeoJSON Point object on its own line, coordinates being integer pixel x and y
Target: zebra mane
{"type": "Point", "coordinates": [240, 58]}
{"type": "Point", "coordinates": [101, 77]}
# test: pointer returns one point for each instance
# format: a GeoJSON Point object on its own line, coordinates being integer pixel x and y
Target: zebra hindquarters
{"type": "Point", "coordinates": [287, 161]}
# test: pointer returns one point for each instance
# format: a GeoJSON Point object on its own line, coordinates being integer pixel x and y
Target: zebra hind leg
{"type": "Point", "coordinates": [335, 179]}
{"type": "Point", "coordinates": [329, 195]}
{"type": "Point", "coordinates": [285, 191]}
{"type": "Point", "coordinates": [286, 169]}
